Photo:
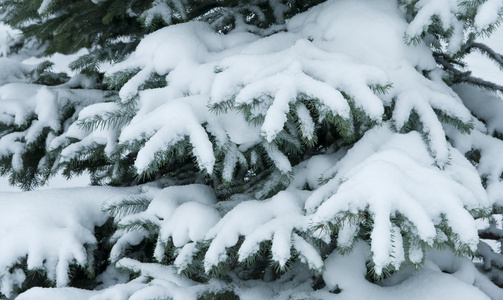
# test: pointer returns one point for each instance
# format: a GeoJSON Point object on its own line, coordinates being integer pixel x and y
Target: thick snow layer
{"type": "Point", "coordinates": [166, 126]}
{"type": "Point", "coordinates": [12, 71]}
{"type": "Point", "coordinates": [257, 221]}
{"type": "Point", "coordinates": [399, 176]}
{"type": "Point", "coordinates": [166, 285]}
{"type": "Point", "coordinates": [488, 13]}
{"type": "Point", "coordinates": [388, 175]}
{"type": "Point", "coordinates": [21, 103]}
{"type": "Point", "coordinates": [445, 11]}
{"type": "Point", "coordinates": [347, 274]}
{"type": "Point", "coordinates": [266, 77]}
{"type": "Point", "coordinates": [389, 166]}
{"type": "Point", "coordinates": [38, 293]}
{"type": "Point", "coordinates": [183, 213]}
{"type": "Point", "coordinates": [51, 229]}
{"type": "Point", "coordinates": [444, 276]}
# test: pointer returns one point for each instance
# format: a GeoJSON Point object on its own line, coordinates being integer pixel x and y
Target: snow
{"type": "Point", "coordinates": [183, 213]}
{"type": "Point", "coordinates": [424, 179]}
{"type": "Point", "coordinates": [298, 62]}
{"type": "Point", "coordinates": [487, 13]}
{"type": "Point", "coordinates": [166, 126]}
{"type": "Point", "coordinates": [307, 252]}
{"type": "Point", "coordinates": [61, 61]}
{"type": "Point", "coordinates": [50, 229]}
{"type": "Point", "coordinates": [279, 159]}
{"type": "Point", "coordinates": [189, 222]}
{"type": "Point", "coordinates": [21, 103]}
{"type": "Point", "coordinates": [167, 284]}
{"type": "Point", "coordinates": [490, 164]}
{"type": "Point", "coordinates": [8, 37]}
{"type": "Point", "coordinates": [266, 76]}
{"type": "Point", "coordinates": [38, 293]}
{"type": "Point", "coordinates": [446, 11]}
{"type": "Point", "coordinates": [12, 71]}
{"type": "Point", "coordinates": [46, 108]}
{"type": "Point", "coordinates": [44, 6]}
{"type": "Point", "coordinates": [390, 175]}
{"type": "Point", "coordinates": [57, 181]}
{"type": "Point", "coordinates": [159, 9]}
{"type": "Point", "coordinates": [265, 220]}
{"type": "Point", "coordinates": [347, 273]}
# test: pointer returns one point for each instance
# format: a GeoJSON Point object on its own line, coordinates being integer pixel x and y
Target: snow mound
{"type": "Point", "coordinates": [49, 231]}
{"type": "Point", "coordinates": [389, 166]}
{"type": "Point", "coordinates": [346, 274]}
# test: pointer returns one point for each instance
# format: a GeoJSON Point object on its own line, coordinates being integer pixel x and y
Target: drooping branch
{"type": "Point", "coordinates": [484, 49]}
{"type": "Point", "coordinates": [491, 234]}
{"type": "Point", "coordinates": [464, 76]}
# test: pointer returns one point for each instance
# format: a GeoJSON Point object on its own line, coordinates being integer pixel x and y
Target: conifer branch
{"type": "Point", "coordinates": [493, 55]}
{"type": "Point", "coordinates": [465, 77]}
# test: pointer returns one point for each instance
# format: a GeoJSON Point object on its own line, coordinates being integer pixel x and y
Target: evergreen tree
{"type": "Point", "coordinates": [268, 139]}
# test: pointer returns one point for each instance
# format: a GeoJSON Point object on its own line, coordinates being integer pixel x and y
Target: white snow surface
{"type": "Point", "coordinates": [61, 61]}
{"type": "Point", "coordinates": [347, 273]}
{"type": "Point", "coordinates": [400, 172]}
{"type": "Point", "coordinates": [444, 276]}
{"type": "Point", "coordinates": [21, 102]}
{"type": "Point", "coordinates": [389, 166]}
{"type": "Point", "coordinates": [267, 75]}
{"type": "Point", "coordinates": [8, 37]}
{"type": "Point", "coordinates": [12, 71]}
{"type": "Point", "coordinates": [51, 229]}
{"type": "Point", "coordinates": [39, 293]}
{"type": "Point", "coordinates": [487, 13]}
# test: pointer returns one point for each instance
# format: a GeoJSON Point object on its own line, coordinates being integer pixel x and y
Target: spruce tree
{"type": "Point", "coordinates": [296, 147]}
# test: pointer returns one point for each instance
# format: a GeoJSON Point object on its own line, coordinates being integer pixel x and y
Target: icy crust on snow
{"type": "Point", "coordinates": [268, 77]}
{"type": "Point", "coordinates": [50, 229]}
